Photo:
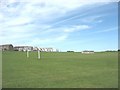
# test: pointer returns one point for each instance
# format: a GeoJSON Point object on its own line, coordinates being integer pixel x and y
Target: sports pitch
{"type": "Point", "coordinates": [60, 70]}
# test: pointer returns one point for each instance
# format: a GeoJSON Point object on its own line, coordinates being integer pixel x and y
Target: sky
{"type": "Point", "coordinates": [61, 24]}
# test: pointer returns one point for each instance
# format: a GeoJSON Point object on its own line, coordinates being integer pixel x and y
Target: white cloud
{"type": "Point", "coordinates": [64, 1]}
{"type": "Point", "coordinates": [18, 21]}
{"type": "Point", "coordinates": [48, 41]}
{"type": "Point", "coordinates": [106, 30]}
{"type": "Point", "coordinates": [93, 19]}
{"type": "Point", "coordinates": [61, 38]}
{"type": "Point", "coordinates": [99, 21]}
{"type": "Point", "coordinates": [14, 30]}
{"type": "Point", "coordinates": [45, 10]}
{"type": "Point", "coordinates": [1, 17]}
{"type": "Point", "coordinates": [77, 28]}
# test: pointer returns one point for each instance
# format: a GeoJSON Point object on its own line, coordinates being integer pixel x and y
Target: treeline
{"type": "Point", "coordinates": [111, 51]}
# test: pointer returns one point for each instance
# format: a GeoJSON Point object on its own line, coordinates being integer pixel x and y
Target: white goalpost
{"type": "Point", "coordinates": [38, 52]}
{"type": "Point", "coordinates": [27, 53]}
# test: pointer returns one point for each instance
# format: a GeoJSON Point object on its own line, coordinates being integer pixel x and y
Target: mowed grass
{"type": "Point", "coordinates": [60, 70]}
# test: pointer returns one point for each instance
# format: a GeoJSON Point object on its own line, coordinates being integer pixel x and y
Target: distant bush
{"type": "Point", "coordinates": [111, 51]}
{"type": "Point", "coordinates": [70, 51]}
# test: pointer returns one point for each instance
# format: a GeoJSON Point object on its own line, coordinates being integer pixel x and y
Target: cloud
{"type": "Point", "coordinates": [106, 30]}
{"type": "Point", "coordinates": [77, 28]}
{"type": "Point", "coordinates": [61, 38]}
{"type": "Point", "coordinates": [47, 42]}
{"type": "Point", "coordinates": [18, 21]}
{"type": "Point", "coordinates": [93, 19]}
{"type": "Point", "coordinates": [40, 21]}
{"type": "Point", "coordinates": [29, 21]}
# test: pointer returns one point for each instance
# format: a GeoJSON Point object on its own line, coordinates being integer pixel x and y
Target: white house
{"type": "Point", "coordinates": [87, 52]}
{"type": "Point", "coordinates": [23, 48]}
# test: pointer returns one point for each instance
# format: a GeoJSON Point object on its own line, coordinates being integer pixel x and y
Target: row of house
{"type": "Point", "coordinates": [9, 47]}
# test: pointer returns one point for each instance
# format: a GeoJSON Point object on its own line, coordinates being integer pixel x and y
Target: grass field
{"type": "Point", "coordinates": [60, 70]}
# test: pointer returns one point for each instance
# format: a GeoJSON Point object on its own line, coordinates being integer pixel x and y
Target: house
{"type": "Point", "coordinates": [43, 49]}
{"type": "Point", "coordinates": [87, 52]}
{"type": "Point", "coordinates": [23, 48]}
{"type": "Point", "coordinates": [35, 49]}
{"type": "Point", "coordinates": [46, 49]}
{"type": "Point", "coordinates": [6, 47]}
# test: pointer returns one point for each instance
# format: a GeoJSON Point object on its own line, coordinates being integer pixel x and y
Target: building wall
{"type": "Point", "coordinates": [43, 49]}
{"type": "Point", "coordinates": [7, 47]}
{"type": "Point", "coordinates": [23, 48]}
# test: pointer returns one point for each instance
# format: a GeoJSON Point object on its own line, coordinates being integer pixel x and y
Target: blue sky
{"type": "Point", "coordinates": [62, 24]}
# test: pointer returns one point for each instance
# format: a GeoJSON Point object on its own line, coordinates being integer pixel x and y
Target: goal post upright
{"type": "Point", "coordinates": [38, 54]}
{"type": "Point", "coordinates": [27, 53]}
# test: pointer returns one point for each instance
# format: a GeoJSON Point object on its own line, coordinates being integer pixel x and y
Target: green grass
{"type": "Point", "coordinates": [60, 70]}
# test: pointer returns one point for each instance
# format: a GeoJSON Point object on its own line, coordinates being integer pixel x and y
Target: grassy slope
{"type": "Point", "coordinates": [60, 70]}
